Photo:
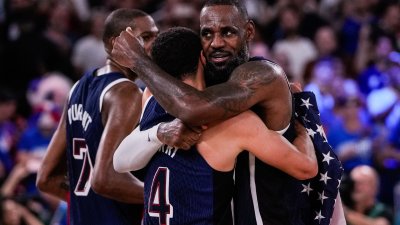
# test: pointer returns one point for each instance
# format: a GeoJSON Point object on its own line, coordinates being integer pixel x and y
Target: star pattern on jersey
{"type": "Point", "coordinates": [319, 216]}
{"type": "Point", "coordinates": [311, 132]}
{"type": "Point", "coordinates": [322, 197]}
{"type": "Point", "coordinates": [324, 177]}
{"type": "Point", "coordinates": [321, 131]}
{"type": "Point", "coordinates": [307, 188]}
{"type": "Point", "coordinates": [320, 192]}
{"type": "Point", "coordinates": [306, 103]}
{"type": "Point", "coordinates": [327, 157]}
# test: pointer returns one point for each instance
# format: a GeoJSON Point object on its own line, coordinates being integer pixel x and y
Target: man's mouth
{"type": "Point", "coordinates": [219, 57]}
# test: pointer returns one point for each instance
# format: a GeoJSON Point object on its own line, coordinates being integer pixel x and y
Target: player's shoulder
{"type": "Point", "coordinates": [125, 86]}
{"type": "Point", "coordinates": [260, 67]}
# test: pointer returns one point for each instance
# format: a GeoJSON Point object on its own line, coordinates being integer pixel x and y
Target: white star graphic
{"type": "Point", "coordinates": [306, 103]}
{"type": "Point", "coordinates": [307, 188]}
{"type": "Point", "coordinates": [322, 197]}
{"type": "Point", "coordinates": [339, 182]}
{"type": "Point", "coordinates": [327, 157]}
{"type": "Point", "coordinates": [305, 119]}
{"type": "Point", "coordinates": [310, 132]}
{"type": "Point", "coordinates": [324, 177]}
{"type": "Point", "coordinates": [319, 216]}
{"type": "Point", "coordinates": [321, 131]}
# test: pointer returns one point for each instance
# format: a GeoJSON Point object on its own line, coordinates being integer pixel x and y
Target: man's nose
{"type": "Point", "coordinates": [218, 41]}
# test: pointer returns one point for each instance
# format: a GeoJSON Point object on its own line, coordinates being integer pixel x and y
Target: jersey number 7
{"type": "Point", "coordinates": [81, 152]}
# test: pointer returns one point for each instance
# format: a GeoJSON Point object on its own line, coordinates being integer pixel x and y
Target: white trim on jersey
{"type": "Point", "coordinates": [72, 90]}
{"type": "Point", "coordinates": [110, 85]}
{"type": "Point", "coordinates": [253, 189]}
{"type": "Point", "coordinates": [144, 106]}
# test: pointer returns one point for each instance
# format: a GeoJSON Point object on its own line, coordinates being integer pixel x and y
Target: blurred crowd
{"type": "Point", "coordinates": [346, 52]}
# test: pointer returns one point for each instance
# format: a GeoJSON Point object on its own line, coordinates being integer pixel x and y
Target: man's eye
{"type": "Point", "coordinates": [206, 34]}
{"type": "Point", "coordinates": [146, 38]}
{"type": "Point", "coordinates": [228, 33]}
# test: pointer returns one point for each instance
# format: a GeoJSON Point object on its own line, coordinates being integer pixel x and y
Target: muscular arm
{"type": "Point", "coordinates": [120, 113]}
{"type": "Point", "coordinates": [247, 132]}
{"type": "Point", "coordinates": [52, 174]}
{"type": "Point", "coordinates": [137, 149]}
{"type": "Point", "coordinates": [249, 84]}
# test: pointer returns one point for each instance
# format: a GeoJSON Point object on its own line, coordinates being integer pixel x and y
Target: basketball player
{"type": "Point", "coordinates": [196, 186]}
{"type": "Point", "coordinates": [267, 196]}
{"type": "Point", "coordinates": [103, 107]}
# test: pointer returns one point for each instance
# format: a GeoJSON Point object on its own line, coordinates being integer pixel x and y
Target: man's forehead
{"type": "Point", "coordinates": [145, 24]}
{"type": "Point", "coordinates": [225, 15]}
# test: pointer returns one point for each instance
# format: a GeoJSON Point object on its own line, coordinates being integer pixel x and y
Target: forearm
{"type": "Point", "coordinates": [176, 97]}
{"type": "Point", "coordinates": [123, 187]}
{"type": "Point", "coordinates": [194, 107]}
{"type": "Point", "coordinates": [298, 164]}
{"type": "Point", "coordinates": [57, 186]}
{"type": "Point", "coordinates": [136, 150]}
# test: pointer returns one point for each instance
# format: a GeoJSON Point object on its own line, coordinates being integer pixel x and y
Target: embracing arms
{"type": "Point", "coordinates": [249, 84]}
{"type": "Point", "coordinates": [221, 143]}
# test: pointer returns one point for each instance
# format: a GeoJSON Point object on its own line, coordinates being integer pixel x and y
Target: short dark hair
{"type": "Point", "coordinates": [119, 20]}
{"type": "Point", "coordinates": [237, 3]}
{"type": "Point", "coordinates": [177, 51]}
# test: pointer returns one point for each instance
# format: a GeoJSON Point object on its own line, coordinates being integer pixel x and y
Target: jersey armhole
{"type": "Point", "coordinates": [108, 87]}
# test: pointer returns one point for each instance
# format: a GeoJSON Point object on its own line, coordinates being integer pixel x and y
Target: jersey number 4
{"type": "Point", "coordinates": [81, 152]}
{"type": "Point", "coordinates": [159, 205]}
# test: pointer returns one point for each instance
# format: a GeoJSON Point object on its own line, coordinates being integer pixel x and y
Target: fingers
{"type": "Point", "coordinates": [295, 87]}
{"type": "Point", "coordinates": [300, 129]}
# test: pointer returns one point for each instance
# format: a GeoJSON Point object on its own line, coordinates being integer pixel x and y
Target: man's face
{"type": "Point", "coordinates": [224, 36]}
{"type": "Point", "coordinates": [146, 29]}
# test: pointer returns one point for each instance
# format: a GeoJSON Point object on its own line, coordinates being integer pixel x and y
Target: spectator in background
{"type": "Point", "coordinates": [26, 46]}
{"type": "Point", "coordinates": [358, 14]}
{"type": "Point", "coordinates": [325, 83]}
{"type": "Point", "coordinates": [366, 209]}
{"type": "Point", "coordinates": [375, 75]}
{"type": "Point", "coordinates": [8, 131]}
{"type": "Point", "coordinates": [326, 43]}
{"type": "Point", "coordinates": [299, 50]}
{"type": "Point", "coordinates": [14, 213]}
{"type": "Point", "coordinates": [351, 134]}
{"type": "Point", "coordinates": [89, 52]}
{"type": "Point", "coordinates": [33, 144]}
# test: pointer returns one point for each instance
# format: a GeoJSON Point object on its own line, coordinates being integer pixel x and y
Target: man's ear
{"type": "Point", "coordinates": [250, 30]}
{"type": "Point", "coordinates": [202, 58]}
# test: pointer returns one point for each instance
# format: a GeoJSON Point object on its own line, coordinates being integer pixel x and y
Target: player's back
{"type": "Point", "coordinates": [84, 131]}
{"type": "Point", "coordinates": [267, 196]}
{"type": "Point", "coordinates": [180, 187]}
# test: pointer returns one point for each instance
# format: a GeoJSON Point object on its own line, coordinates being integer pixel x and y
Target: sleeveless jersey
{"type": "Point", "coordinates": [265, 195]}
{"type": "Point", "coordinates": [180, 187]}
{"type": "Point", "coordinates": [84, 130]}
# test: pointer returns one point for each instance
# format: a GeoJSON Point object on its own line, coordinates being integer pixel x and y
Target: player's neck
{"type": "Point", "coordinates": [195, 81]}
{"type": "Point", "coordinates": [110, 67]}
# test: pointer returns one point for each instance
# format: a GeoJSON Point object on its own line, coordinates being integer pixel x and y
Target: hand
{"type": "Point", "coordinates": [178, 135]}
{"type": "Point", "coordinates": [295, 87]}
{"type": "Point", "coordinates": [127, 49]}
{"type": "Point", "coordinates": [302, 141]}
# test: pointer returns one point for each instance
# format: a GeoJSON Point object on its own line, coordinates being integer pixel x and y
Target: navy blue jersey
{"type": "Point", "coordinates": [84, 131]}
{"type": "Point", "coordinates": [180, 187]}
{"type": "Point", "coordinates": [265, 195]}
